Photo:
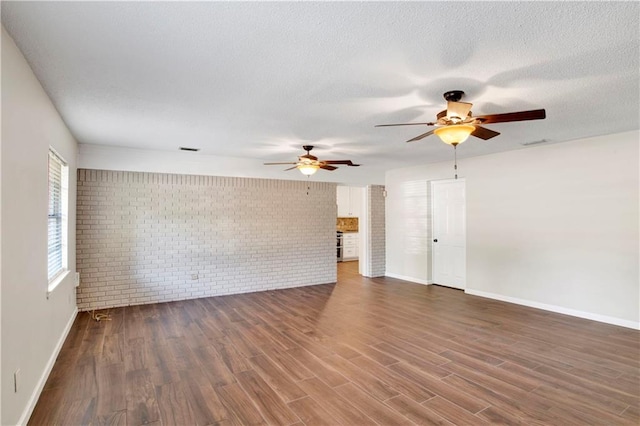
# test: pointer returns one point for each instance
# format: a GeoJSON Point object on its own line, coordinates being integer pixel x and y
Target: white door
{"type": "Point", "coordinates": [449, 233]}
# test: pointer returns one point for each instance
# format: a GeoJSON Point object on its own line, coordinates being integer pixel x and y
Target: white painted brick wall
{"type": "Point", "coordinates": [141, 236]}
{"type": "Point", "coordinates": [376, 238]}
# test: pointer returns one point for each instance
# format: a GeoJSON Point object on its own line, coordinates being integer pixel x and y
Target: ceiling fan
{"type": "Point", "coordinates": [456, 124]}
{"type": "Point", "coordinates": [309, 164]}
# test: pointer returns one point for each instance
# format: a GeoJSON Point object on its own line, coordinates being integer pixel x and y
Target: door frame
{"type": "Point", "coordinates": [431, 236]}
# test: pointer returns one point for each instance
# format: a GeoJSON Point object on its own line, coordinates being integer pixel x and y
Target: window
{"type": "Point", "coordinates": [57, 235]}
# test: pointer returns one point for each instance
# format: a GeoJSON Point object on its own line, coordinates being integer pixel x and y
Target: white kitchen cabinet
{"type": "Point", "coordinates": [343, 196]}
{"type": "Point", "coordinates": [351, 245]}
{"type": "Point", "coordinates": [356, 201]}
{"type": "Point", "coordinates": [349, 199]}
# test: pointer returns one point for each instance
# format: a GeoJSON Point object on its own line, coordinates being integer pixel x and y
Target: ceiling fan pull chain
{"type": "Point", "coordinates": [308, 185]}
{"type": "Point", "coordinates": [455, 160]}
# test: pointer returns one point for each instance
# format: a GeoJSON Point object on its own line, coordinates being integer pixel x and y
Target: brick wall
{"type": "Point", "coordinates": [152, 237]}
{"type": "Point", "coordinates": [376, 234]}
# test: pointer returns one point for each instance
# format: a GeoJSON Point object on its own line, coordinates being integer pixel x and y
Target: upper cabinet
{"type": "Point", "coordinates": [343, 197]}
{"type": "Point", "coordinates": [349, 201]}
{"type": "Point", "coordinates": [356, 201]}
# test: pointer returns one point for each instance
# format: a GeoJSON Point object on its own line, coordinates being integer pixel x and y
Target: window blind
{"type": "Point", "coordinates": [56, 172]}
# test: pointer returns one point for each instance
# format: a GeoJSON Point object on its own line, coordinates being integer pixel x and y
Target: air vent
{"type": "Point", "coordinates": [535, 142]}
{"type": "Point", "coordinates": [186, 148]}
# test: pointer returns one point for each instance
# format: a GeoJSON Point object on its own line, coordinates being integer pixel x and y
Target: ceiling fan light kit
{"type": "Point", "coordinates": [308, 169]}
{"type": "Point", "coordinates": [455, 134]}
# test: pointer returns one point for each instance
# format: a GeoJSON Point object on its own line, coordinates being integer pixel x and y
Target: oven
{"type": "Point", "coordinates": [339, 246]}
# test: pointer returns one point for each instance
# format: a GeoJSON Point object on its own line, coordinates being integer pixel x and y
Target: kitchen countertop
{"type": "Point", "coordinates": [347, 224]}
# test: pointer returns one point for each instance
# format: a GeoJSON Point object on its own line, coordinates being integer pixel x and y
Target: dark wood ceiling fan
{"type": "Point", "coordinates": [309, 164]}
{"type": "Point", "coordinates": [455, 124]}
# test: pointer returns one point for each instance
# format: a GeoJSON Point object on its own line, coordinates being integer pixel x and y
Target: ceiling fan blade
{"type": "Point", "coordinates": [291, 168]}
{"type": "Point", "coordinates": [535, 114]}
{"type": "Point", "coordinates": [328, 167]}
{"type": "Point", "coordinates": [484, 133]}
{"type": "Point", "coordinates": [347, 162]}
{"type": "Point", "coordinates": [405, 124]}
{"type": "Point", "coordinates": [458, 109]}
{"type": "Point", "coordinates": [422, 136]}
{"type": "Point", "coordinates": [277, 164]}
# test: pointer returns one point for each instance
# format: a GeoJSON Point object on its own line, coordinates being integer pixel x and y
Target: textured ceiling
{"type": "Point", "coordinates": [259, 79]}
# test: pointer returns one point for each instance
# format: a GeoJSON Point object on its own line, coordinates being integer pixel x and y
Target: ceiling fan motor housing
{"type": "Point", "coordinates": [453, 95]}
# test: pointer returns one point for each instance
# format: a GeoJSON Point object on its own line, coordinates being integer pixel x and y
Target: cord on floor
{"type": "Point", "coordinates": [100, 317]}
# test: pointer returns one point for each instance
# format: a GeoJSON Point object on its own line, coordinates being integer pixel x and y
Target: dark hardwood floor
{"type": "Point", "coordinates": [363, 351]}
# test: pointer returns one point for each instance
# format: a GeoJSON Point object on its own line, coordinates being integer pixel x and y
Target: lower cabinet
{"type": "Point", "coordinates": [350, 246]}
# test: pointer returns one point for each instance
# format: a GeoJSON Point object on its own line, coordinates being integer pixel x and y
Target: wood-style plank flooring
{"type": "Point", "coordinates": [362, 351]}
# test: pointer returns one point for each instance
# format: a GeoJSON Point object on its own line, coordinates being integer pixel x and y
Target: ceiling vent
{"type": "Point", "coordinates": [185, 148]}
{"type": "Point", "coordinates": [535, 142]}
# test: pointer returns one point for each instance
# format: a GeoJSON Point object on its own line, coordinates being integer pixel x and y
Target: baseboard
{"type": "Point", "coordinates": [410, 279]}
{"type": "Point", "coordinates": [47, 370]}
{"type": "Point", "coordinates": [557, 309]}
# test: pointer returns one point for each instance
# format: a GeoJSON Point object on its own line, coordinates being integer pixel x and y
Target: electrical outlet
{"type": "Point", "coordinates": [194, 276]}
{"type": "Point", "coordinates": [77, 279]}
{"type": "Point", "coordinates": [16, 376]}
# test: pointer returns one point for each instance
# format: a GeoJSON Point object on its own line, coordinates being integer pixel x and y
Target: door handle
{"type": "Point", "coordinates": [435, 240]}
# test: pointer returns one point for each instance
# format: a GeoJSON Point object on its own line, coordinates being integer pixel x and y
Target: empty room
{"type": "Point", "coordinates": [320, 213]}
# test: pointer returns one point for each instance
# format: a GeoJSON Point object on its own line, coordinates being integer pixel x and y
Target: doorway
{"type": "Point", "coordinates": [449, 233]}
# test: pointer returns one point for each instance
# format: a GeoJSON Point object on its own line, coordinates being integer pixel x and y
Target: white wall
{"type": "Point", "coordinates": [33, 326]}
{"type": "Point", "coordinates": [408, 215]}
{"type": "Point", "coordinates": [101, 157]}
{"type": "Point", "coordinates": [552, 226]}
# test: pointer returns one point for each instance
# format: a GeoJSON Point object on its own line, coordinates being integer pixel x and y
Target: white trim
{"type": "Point", "coordinates": [406, 278]}
{"type": "Point", "coordinates": [55, 281]}
{"type": "Point", "coordinates": [26, 414]}
{"type": "Point", "coordinates": [558, 309]}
